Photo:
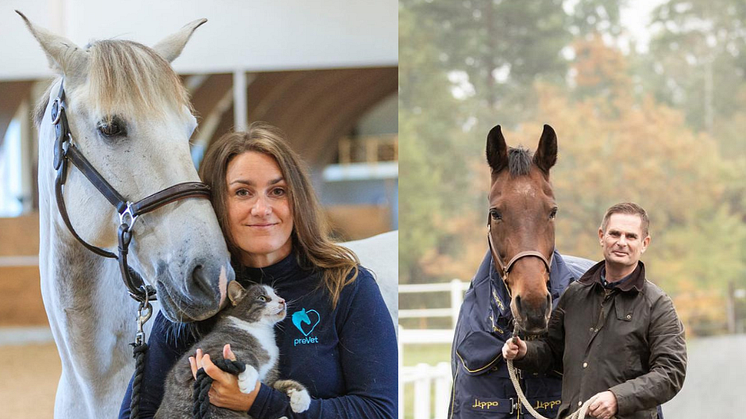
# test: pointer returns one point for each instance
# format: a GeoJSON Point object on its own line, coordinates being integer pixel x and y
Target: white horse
{"type": "Point", "coordinates": [130, 117]}
{"type": "Point", "coordinates": [380, 254]}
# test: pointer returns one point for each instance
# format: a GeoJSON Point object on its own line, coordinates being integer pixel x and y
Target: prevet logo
{"type": "Point", "coordinates": [306, 321]}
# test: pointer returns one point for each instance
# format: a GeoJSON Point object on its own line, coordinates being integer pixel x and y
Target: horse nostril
{"type": "Point", "coordinates": [200, 283]}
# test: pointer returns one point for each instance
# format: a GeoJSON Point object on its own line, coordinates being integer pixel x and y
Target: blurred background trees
{"type": "Point", "coordinates": [654, 115]}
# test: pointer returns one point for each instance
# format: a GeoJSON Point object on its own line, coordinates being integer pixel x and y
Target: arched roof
{"type": "Point", "coordinates": [314, 107]}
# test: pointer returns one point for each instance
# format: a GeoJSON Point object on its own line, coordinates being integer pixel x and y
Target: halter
{"type": "Point", "coordinates": [505, 269]}
{"type": "Point", "coordinates": [65, 151]}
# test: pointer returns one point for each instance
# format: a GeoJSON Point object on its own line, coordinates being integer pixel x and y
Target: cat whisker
{"type": "Point", "coordinates": [290, 303]}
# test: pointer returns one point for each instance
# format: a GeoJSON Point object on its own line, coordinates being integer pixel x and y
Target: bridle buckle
{"type": "Point", "coordinates": [128, 216]}
{"type": "Point", "coordinates": [57, 107]}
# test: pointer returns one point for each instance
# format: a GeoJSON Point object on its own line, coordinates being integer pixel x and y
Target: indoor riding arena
{"type": "Point", "coordinates": [330, 84]}
{"type": "Point", "coordinates": [25, 340]}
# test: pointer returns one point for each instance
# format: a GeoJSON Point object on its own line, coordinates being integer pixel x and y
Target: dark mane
{"type": "Point", "coordinates": [519, 161]}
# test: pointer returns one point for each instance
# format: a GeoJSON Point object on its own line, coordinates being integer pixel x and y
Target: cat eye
{"type": "Point", "coordinates": [262, 298]}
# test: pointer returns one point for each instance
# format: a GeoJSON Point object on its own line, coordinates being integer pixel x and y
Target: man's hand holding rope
{"type": "Point", "coordinates": [514, 349]}
{"type": "Point", "coordinates": [602, 405]}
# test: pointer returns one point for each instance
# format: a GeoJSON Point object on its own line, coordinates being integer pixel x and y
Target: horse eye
{"type": "Point", "coordinates": [495, 214]}
{"type": "Point", "coordinates": [553, 213]}
{"type": "Point", "coordinates": [113, 127]}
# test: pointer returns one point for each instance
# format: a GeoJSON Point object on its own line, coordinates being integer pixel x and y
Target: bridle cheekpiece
{"type": "Point", "coordinates": [66, 152]}
{"type": "Point", "coordinates": [504, 269]}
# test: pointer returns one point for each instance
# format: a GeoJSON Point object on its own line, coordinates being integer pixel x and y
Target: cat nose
{"type": "Point", "coordinates": [282, 301]}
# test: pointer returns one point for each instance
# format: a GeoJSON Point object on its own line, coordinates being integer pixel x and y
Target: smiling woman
{"type": "Point", "coordinates": [259, 213]}
{"type": "Point", "coordinates": [338, 340]}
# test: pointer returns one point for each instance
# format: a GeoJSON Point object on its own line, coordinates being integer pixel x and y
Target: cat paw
{"type": "Point", "coordinates": [247, 380]}
{"type": "Point", "coordinates": [300, 400]}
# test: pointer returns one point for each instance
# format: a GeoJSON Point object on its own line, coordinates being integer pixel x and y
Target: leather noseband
{"type": "Point", "coordinates": [66, 152]}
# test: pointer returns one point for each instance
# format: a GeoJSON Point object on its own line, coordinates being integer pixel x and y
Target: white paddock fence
{"type": "Point", "coordinates": [428, 380]}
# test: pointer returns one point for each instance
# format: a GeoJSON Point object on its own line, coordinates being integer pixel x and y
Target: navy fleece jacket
{"type": "Point", "coordinates": [346, 357]}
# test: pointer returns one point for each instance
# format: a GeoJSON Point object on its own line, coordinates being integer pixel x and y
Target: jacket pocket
{"type": "Point", "coordinates": [481, 385]}
{"type": "Point", "coordinates": [478, 352]}
{"type": "Point", "coordinates": [629, 332]}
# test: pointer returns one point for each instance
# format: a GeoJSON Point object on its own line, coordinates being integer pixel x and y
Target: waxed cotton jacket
{"type": "Point", "coordinates": [481, 384]}
{"type": "Point", "coordinates": [628, 339]}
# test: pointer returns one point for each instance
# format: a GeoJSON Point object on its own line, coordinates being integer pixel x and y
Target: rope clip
{"type": "Point", "coordinates": [143, 315]}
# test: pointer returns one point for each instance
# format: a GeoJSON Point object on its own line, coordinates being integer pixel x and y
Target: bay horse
{"type": "Point", "coordinates": [521, 224]}
{"type": "Point", "coordinates": [515, 286]}
{"type": "Point", "coordinates": [126, 112]}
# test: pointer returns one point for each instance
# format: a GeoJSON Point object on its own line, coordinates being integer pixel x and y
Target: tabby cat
{"type": "Point", "coordinates": [248, 325]}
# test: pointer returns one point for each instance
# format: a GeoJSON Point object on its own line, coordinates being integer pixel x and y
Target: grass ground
{"type": "Point", "coordinates": [429, 354]}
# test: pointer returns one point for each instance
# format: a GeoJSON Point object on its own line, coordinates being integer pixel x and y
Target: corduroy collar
{"type": "Point", "coordinates": [636, 281]}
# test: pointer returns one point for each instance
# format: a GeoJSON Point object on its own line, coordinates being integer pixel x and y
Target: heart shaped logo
{"type": "Point", "coordinates": [303, 322]}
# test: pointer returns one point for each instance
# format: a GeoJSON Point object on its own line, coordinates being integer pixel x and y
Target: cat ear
{"type": "Point", "coordinates": [235, 292]}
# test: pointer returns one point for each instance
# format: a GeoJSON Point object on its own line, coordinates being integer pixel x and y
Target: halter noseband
{"type": "Point", "coordinates": [65, 151]}
{"type": "Point", "coordinates": [505, 269]}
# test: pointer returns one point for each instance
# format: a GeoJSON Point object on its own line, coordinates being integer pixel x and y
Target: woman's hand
{"type": "Point", "coordinates": [514, 348]}
{"type": "Point", "coordinates": [224, 391]}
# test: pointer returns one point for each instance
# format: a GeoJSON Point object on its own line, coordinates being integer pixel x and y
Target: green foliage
{"type": "Point", "coordinates": [698, 62]}
{"type": "Point", "coordinates": [430, 156]}
{"type": "Point", "coordinates": [631, 127]}
{"type": "Point", "coordinates": [591, 16]}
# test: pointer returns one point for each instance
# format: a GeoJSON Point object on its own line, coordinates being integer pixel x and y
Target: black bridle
{"type": "Point", "coordinates": [66, 152]}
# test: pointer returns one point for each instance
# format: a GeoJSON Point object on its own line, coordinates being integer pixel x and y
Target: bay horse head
{"type": "Point", "coordinates": [130, 117]}
{"type": "Point", "coordinates": [521, 225]}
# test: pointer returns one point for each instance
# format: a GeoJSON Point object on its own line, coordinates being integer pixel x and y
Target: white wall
{"type": "Point", "coordinates": [251, 34]}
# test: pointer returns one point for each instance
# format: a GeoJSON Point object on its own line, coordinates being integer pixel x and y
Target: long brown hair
{"type": "Point", "coordinates": [311, 232]}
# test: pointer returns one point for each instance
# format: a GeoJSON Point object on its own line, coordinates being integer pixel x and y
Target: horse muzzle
{"type": "Point", "coordinates": [198, 296]}
{"type": "Point", "coordinates": [532, 319]}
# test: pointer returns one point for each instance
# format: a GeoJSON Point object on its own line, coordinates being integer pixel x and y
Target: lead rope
{"type": "Point", "coordinates": [579, 414]}
{"type": "Point", "coordinates": [202, 384]}
{"type": "Point", "coordinates": [139, 350]}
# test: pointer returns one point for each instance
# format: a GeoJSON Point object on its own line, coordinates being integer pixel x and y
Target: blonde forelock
{"type": "Point", "coordinates": [129, 78]}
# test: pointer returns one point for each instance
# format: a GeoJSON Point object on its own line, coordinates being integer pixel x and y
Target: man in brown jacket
{"type": "Point", "coordinates": [614, 334]}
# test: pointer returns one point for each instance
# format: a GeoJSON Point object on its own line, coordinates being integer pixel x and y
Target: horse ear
{"type": "Point", "coordinates": [497, 150]}
{"type": "Point", "coordinates": [235, 292]}
{"type": "Point", "coordinates": [170, 47]}
{"type": "Point", "coordinates": [546, 153]}
{"type": "Point", "coordinates": [63, 55]}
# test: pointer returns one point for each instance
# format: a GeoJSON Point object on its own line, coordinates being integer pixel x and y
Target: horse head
{"type": "Point", "coordinates": [521, 224]}
{"type": "Point", "coordinates": [130, 116]}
